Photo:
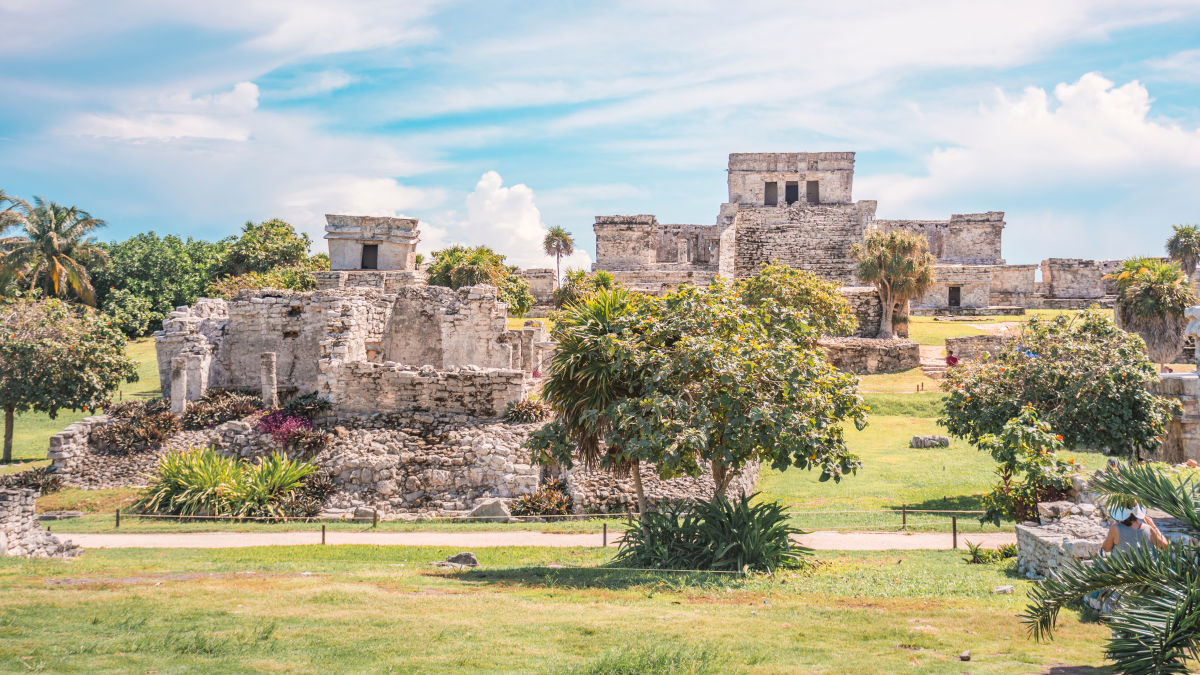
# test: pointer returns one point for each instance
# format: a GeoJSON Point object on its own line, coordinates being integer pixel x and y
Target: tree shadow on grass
{"type": "Point", "coordinates": [608, 578]}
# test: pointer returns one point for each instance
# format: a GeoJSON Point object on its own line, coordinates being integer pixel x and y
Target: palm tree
{"type": "Point", "coordinates": [899, 265]}
{"type": "Point", "coordinates": [589, 374]}
{"type": "Point", "coordinates": [558, 242]}
{"type": "Point", "coordinates": [54, 253]}
{"type": "Point", "coordinates": [1184, 246]}
{"type": "Point", "coordinates": [8, 217]}
{"type": "Point", "coordinates": [1156, 623]}
{"type": "Point", "coordinates": [1152, 298]}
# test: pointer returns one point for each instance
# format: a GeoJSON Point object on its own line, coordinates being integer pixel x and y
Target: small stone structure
{"type": "Point", "coordinates": [371, 243]}
{"type": "Point", "coordinates": [975, 346]}
{"type": "Point", "coordinates": [1183, 433]}
{"type": "Point", "coordinates": [541, 282]}
{"type": "Point", "coordinates": [865, 356]}
{"type": "Point", "coordinates": [929, 442]}
{"type": "Point", "coordinates": [20, 532]}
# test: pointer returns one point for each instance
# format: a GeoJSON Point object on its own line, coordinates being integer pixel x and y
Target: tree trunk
{"type": "Point", "coordinates": [900, 320]}
{"type": "Point", "coordinates": [637, 487]}
{"type": "Point", "coordinates": [557, 269]}
{"type": "Point", "coordinates": [9, 415]}
{"type": "Point", "coordinates": [721, 478]}
{"type": "Point", "coordinates": [885, 322]}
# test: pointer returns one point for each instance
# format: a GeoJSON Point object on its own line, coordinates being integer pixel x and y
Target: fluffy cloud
{"type": "Point", "coordinates": [306, 207]}
{"type": "Point", "coordinates": [505, 219]}
{"type": "Point", "coordinates": [175, 115]}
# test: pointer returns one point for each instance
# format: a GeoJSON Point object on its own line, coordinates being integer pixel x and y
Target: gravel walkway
{"type": "Point", "coordinates": [825, 541]}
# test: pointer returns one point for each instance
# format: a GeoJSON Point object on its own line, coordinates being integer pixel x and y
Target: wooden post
{"type": "Point", "coordinates": [374, 519]}
{"type": "Point", "coordinates": [954, 530]}
{"type": "Point", "coordinates": [323, 535]}
{"type": "Point", "coordinates": [904, 516]}
{"type": "Point", "coordinates": [604, 536]}
{"type": "Point", "coordinates": [118, 524]}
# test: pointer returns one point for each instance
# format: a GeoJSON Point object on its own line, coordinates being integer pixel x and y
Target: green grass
{"type": "Point", "coordinates": [904, 382]}
{"type": "Point", "coordinates": [32, 431]}
{"type": "Point", "coordinates": [374, 609]}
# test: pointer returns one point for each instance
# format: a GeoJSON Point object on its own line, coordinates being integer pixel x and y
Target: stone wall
{"type": "Point", "coordinates": [865, 356]}
{"type": "Point", "coordinates": [1072, 278]}
{"type": "Point", "coordinates": [594, 491]}
{"type": "Point", "coordinates": [625, 241]}
{"type": "Point", "coordinates": [1183, 433]}
{"type": "Point", "coordinates": [361, 387]}
{"type": "Point", "coordinates": [1012, 285]}
{"type": "Point", "coordinates": [79, 464]}
{"type": "Point", "coordinates": [750, 171]}
{"type": "Point", "coordinates": [20, 532]}
{"type": "Point", "coordinates": [974, 238]}
{"type": "Point", "coordinates": [541, 282]}
{"type": "Point", "coordinates": [975, 346]}
{"type": "Point", "coordinates": [973, 282]}
{"type": "Point", "coordinates": [864, 301]}
{"type": "Point", "coordinates": [385, 282]}
{"type": "Point", "coordinates": [814, 238]}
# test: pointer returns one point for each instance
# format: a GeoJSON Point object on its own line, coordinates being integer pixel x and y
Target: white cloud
{"type": "Point", "coordinates": [356, 195]}
{"type": "Point", "coordinates": [505, 219]}
{"type": "Point", "coordinates": [175, 115]}
{"type": "Point", "coordinates": [1184, 65]}
{"type": "Point", "coordinates": [324, 82]}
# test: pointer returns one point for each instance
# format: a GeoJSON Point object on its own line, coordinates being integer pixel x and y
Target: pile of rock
{"type": "Point", "coordinates": [929, 442]}
{"type": "Point", "coordinates": [20, 532]}
{"type": "Point", "coordinates": [79, 464]}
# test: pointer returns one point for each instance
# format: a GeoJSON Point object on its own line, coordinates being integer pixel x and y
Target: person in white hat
{"type": "Point", "coordinates": [1131, 528]}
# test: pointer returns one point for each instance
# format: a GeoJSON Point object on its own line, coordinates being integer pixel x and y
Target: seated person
{"type": "Point", "coordinates": [1132, 529]}
{"type": "Point", "coordinates": [951, 359]}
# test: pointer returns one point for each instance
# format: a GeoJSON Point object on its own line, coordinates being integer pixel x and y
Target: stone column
{"type": "Point", "coordinates": [179, 385]}
{"type": "Point", "coordinates": [270, 388]}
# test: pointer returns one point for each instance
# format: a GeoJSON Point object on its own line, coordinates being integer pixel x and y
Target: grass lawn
{"type": "Point", "coordinates": [32, 431]}
{"type": "Point", "coordinates": [904, 382]}
{"type": "Point", "coordinates": [373, 609]}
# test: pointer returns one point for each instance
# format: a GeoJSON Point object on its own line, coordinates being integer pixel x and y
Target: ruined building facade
{"type": "Point", "coordinates": [798, 209]}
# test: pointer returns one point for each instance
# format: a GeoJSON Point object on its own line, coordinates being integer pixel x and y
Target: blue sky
{"type": "Point", "coordinates": [491, 120]}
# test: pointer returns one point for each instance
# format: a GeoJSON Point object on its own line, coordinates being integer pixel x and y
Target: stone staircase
{"type": "Point", "coordinates": [933, 362]}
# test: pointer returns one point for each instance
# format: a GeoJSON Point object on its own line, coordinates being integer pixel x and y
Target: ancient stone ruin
{"type": "Point", "coordinates": [20, 532]}
{"type": "Point", "coordinates": [798, 209]}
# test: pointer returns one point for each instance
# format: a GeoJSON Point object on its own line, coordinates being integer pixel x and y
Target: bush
{"type": "Point", "coordinates": [551, 499]}
{"type": "Point", "coordinates": [133, 409]}
{"type": "Point", "coordinates": [308, 500]}
{"type": "Point", "coordinates": [718, 534]}
{"type": "Point", "coordinates": [978, 555]}
{"type": "Point", "coordinates": [280, 278]}
{"type": "Point", "coordinates": [206, 482]}
{"type": "Point", "coordinates": [137, 434]}
{"type": "Point", "coordinates": [282, 425]}
{"type": "Point", "coordinates": [817, 302]}
{"type": "Point", "coordinates": [42, 479]}
{"type": "Point", "coordinates": [1030, 470]}
{"type": "Point", "coordinates": [131, 313]}
{"type": "Point", "coordinates": [308, 443]}
{"type": "Point", "coordinates": [310, 405]}
{"type": "Point", "coordinates": [218, 406]}
{"type": "Point", "coordinates": [527, 411]}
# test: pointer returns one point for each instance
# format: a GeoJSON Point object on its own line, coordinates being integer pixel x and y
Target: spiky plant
{"type": "Point", "coordinates": [1152, 297]}
{"type": "Point", "coordinates": [1156, 620]}
{"type": "Point", "coordinates": [55, 252]}
{"type": "Point", "coordinates": [900, 267]}
{"type": "Point", "coordinates": [1184, 246]}
{"type": "Point", "coordinates": [558, 242]}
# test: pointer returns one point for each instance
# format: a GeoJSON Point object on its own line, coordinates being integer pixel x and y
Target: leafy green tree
{"type": "Point", "coordinates": [818, 302]}
{"type": "Point", "coordinates": [558, 242]}
{"type": "Point", "coordinates": [460, 266]}
{"type": "Point", "coordinates": [295, 278]}
{"type": "Point", "coordinates": [55, 252]}
{"type": "Point", "coordinates": [1152, 297]}
{"type": "Point", "coordinates": [579, 284]}
{"type": "Point", "coordinates": [167, 271]}
{"type": "Point", "coordinates": [1184, 247]}
{"type": "Point", "coordinates": [1156, 621]}
{"type": "Point", "coordinates": [264, 246]}
{"type": "Point", "coordinates": [78, 357]}
{"type": "Point", "coordinates": [899, 265]}
{"type": "Point", "coordinates": [1086, 378]}
{"type": "Point", "coordinates": [1030, 470]}
{"type": "Point", "coordinates": [132, 314]}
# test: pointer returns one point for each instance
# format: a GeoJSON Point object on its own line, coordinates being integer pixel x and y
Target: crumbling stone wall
{"type": "Point", "coordinates": [974, 238]}
{"type": "Point", "coordinates": [814, 238]}
{"type": "Point", "coordinates": [1182, 441]}
{"type": "Point", "coordinates": [975, 346]}
{"type": "Point", "coordinates": [973, 282]}
{"type": "Point", "coordinates": [594, 491]}
{"type": "Point", "coordinates": [80, 464]}
{"type": "Point", "coordinates": [866, 356]}
{"type": "Point", "coordinates": [20, 532]}
{"type": "Point", "coordinates": [361, 387]}
{"type": "Point", "coordinates": [864, 302]}
{"type": "Point", "coordinates": [1072, 278]}
{"type": "Point", "coordinates": [1012, 285]}
{"type": "Point", "coordinates": [541, 284]}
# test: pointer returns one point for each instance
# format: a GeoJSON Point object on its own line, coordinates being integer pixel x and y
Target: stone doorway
{"type": "Point", "coordinates": [955, 299]}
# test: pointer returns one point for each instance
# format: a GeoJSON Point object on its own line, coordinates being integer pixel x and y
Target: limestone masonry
{"type": "Point", "coordinates": [798, 209]}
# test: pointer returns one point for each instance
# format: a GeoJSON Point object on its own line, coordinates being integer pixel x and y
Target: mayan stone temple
{"type": "Point", "coordinates": [798, 209]}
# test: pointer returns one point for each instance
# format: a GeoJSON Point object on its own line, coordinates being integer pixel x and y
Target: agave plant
{"type": "Point", "coordinates": [1156, 621]}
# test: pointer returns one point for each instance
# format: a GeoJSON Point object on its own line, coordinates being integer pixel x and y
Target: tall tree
{"type": "Point", "coordinates": [899, 265]}
{"type": "Point", "coordinates": [460, 266]}
{"type": "Point", "coordinates": [264, 246]}
{"type": "Point", "coordinates": [558, 242]}
{"type": "Point", "coordinates": [166, 271]}
{"type": "Point", "coordinates": [1184, 247]}
{"type": "Point", "coordinates": [1152, 297]}
{"type": "Point", "coordinates": [55, 252]}
{"type": "Point", "coordinates": [78, 357]}
{"type": "Point", "coordinates": [7, 205]}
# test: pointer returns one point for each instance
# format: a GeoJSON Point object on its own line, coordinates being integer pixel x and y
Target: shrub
{"type": "Point", "coordinates": [551, 499]}
{"type": "Point", "coordinates": [139, 433]}
{"type": "Point", "coordinates": [307, 501]}
{"type": "Point", "coordinates": [281, 278]}
{"type": "Point", "coordinates": [310, 405]}
{"type": "Point", "coordinates": [218, 406]}
{"type": "Point", "coordinates": [1030, 470]}
{"type": "Point", "coordinates": [136, 408]}
{"type": "Point", "coordinates": [978, 555]}
{"type": "Point", "coordinates": [206, 482]}
{"type": "Point", "coordinates": [308, 443]}
{"type": "Point", "coordinates": [42, 479]}
{"type": "Point", "coordinates": [527, 411]}
{"type": "Point", "coordinates": [719, 534]}
{"type": "Point", "coordinates": [130, 313]}
{"type": "Point", "coordinates": [282, 425]}
{"type": "Point", "coordinates": [817, 302]}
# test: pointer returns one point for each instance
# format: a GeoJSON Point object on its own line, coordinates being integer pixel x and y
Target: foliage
{"type": "Point", "coordinates": [218, 406]}
{"type": "Point", "coordinates": [668, 658]}
{"type": "Point", "coordinates": [550, 499]}
{"type": "Point", "coordinates": [294, 278]}
{"type": "Point", "coordinates": [579, 284]}
{"type": "Point", "coordinates": [817, 302]}
{"type": "Point", "coordinates": [899, 265]}
{"type": "Point", "coordinates": [1084, 377]}
{"type": "Point", "coordinates": [308, 443]}
{"type": "Point", "coordinates": [309, 405]}
{"type": "Point", "coordinates": [1029, 471]}
{"type": "Point", "coordinates": [167, 271]}
{"type": "Point", "coordinates": [514, 292]}
{"type": "Point", "coordinates": [136, 434]}
{"type": "Point", "coordinates": [132, 314]}
{"type": "Point", "coordinates": [558, 242]}
{"type": "Point", "coordinates": [264, 246]}
{"type": "Point", "coordinates": [55, 252]}
{"type": "Point", "coordinates": [282, 425]}
{"type": "Point", "coordinates": [717, 534]}
{"type": "Point", "coordinates": [206, 482]}
{"type": "Point", "coordinates": [135, 408]}
{"type": "Point", "coordinates": [460, 266]}
{"type": "Point", "coordinates": [1176, 494]}
{"type": "Point", "coordinates": [77, 355]}
{"type": "Point", "coordinates": [42, 479]}
{"type": "Point", "coordinates": [306, 502]}
{"type": "Point", "coordinates": [1152, 297]}
{"type": "Point", "coordinates": [978, 555]}
{"type": "Point", "coordinates": [1184, 247]}
{"type": "Point", "coordinates": [528, 410]}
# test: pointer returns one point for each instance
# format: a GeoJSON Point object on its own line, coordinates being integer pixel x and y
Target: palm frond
{"type": "Point", "coordinates": [1153, 488]}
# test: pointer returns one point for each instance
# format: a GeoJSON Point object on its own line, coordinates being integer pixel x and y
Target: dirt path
{"type": "Point", "coordinates": [825, 541]}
